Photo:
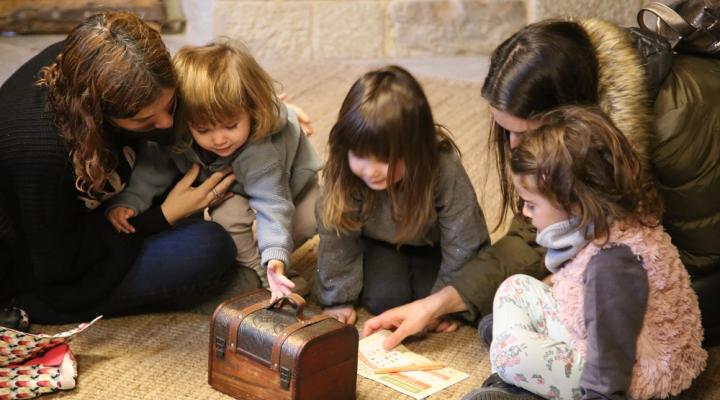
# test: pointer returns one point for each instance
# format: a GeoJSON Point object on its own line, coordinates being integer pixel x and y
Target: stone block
{"type": "Point", "coordinates": [451, 27]}
{"type": "Point", "coordinates": [622, 12]}
{"type": "Point", "coordinates": [272, 29]}
{"type": "Point", "coordinates": [345, 29]}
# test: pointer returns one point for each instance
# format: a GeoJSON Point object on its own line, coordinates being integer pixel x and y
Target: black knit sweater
{"type": "Point", "coordinates": [51, 244]}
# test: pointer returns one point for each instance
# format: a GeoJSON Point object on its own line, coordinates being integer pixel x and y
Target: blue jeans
{"type": "Point", "coordinates": [176, 268]}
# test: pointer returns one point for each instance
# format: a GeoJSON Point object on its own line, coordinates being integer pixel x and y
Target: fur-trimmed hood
{"type": "Point", "coordinates": [668, 106]}
{"type": "Point", "coordinates": [622, 86]}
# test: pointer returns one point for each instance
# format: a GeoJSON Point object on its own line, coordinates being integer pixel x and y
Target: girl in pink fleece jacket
{"type": "Point", "coordinates": [620, 320]}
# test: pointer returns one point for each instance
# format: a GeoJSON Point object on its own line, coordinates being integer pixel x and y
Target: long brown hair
{"type": "Point", "coordinates": [219, 80]}
{"type": "Point", "coordinates": [583, 164]}
{"type": "Point", "coordinates": [544, 65]}
{"type": "Point", "coordinates": [385, 115]}
{"type": "Point", "coordinates": [112, 66]}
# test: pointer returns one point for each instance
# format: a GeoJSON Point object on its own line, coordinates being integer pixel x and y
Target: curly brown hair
{"type": "Point", "coordinates": [112, 65]}
{"type": "Point", "coordinates": [385, 115]}
{"type": "Point", "coordinates": [585, 166]}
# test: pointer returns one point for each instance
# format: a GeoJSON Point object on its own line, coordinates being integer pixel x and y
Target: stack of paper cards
{"type": "Point", "coordinates": [418, 384]}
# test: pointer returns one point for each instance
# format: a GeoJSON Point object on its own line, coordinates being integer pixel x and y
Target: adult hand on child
{"type": "Point", "coordinates": [303, 118]}
{"type": "Point", "coordinates": [345, 314]}
{"type": "Point", "coordinates": [184, 199]}
{"type": "Point", "coordinates": [118, 217]}
{"type": "Point", "coordinates": [280, 285]}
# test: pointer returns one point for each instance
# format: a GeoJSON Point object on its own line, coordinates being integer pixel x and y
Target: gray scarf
{"type": "Point", "coordinates": [563, 241]}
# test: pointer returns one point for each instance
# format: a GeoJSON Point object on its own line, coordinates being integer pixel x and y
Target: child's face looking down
{"type": "Point", "coordinates": [225, 138]}
{"type": "Point", "coordinates": [538, 208]}
{"type": "Point", "coordinates": [374, 172]}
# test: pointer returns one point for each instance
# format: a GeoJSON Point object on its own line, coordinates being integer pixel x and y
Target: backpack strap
{"type": "Point", "coordinates": [666, 15]}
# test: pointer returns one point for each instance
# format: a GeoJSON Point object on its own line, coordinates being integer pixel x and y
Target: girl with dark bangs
{"type": "Point", "coordinates": [399, 216]}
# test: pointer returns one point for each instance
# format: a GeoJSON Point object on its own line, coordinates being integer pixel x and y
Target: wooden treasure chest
{"type": "Point", "coordinates": [262, 350]}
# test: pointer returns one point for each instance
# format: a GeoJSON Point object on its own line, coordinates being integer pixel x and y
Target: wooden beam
{"type": "Point", "coordinates": [52, 16]}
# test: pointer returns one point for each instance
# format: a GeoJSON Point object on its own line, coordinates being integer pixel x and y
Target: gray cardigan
{"type": "Point", "coordinates": [270, 173]}
{"type": "Point", "coordinates": [457, 225]}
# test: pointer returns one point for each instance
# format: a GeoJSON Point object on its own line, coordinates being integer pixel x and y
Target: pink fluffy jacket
{"type": "Point", "coordinates": [669, 353]}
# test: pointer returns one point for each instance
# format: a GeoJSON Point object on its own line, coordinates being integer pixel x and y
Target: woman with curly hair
{"type": "Point", "coordinates": [72, 120]}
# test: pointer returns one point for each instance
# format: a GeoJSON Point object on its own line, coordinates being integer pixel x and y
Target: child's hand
{"type": "Point", "coordinates": [118, 217]}
{"type": "Point", "coordinates": [280, 285]}
{"type": "Point", "coordinates": [303, 118]}
{"type": "Point", "coordinates": [346, 315]}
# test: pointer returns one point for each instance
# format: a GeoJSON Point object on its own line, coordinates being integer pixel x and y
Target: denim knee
{"type": "Point", "coordinates": [212, 242]}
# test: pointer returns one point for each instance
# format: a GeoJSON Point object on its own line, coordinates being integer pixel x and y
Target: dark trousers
{"type": "Point", "coordinates": [708, 288]}
{"type": "Point", "coordinates": [393, 277]}
{"type": "Point", "coordinates": [177, 268]}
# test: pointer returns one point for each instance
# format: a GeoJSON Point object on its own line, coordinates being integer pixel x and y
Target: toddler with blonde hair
{"type": "Point", "coordinates": [232, 119]}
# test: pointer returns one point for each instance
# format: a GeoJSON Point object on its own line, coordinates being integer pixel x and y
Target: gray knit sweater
{"type": "Point", "coordinates": [457, 225]}
{"type": "Point", "coordinates": [270, 173]}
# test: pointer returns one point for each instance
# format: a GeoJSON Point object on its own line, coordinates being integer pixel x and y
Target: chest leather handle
{"type": "Point", "coordinates": [295, 300]}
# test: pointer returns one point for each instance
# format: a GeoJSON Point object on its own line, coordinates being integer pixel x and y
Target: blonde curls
{"type": "Point", "coordinates": [219, 80]}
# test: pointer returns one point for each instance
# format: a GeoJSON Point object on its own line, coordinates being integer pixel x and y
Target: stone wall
{"type": "Point", "coordinates": [313, 29]}
{"type": "Point", "coordinates": [362, 29]}
{"type": "Point", "coordinates": [622, 12]}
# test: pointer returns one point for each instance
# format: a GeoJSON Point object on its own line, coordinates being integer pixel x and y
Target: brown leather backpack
{"type": "Point", "coordinates": [691, 26]}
